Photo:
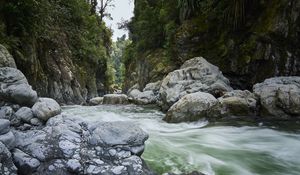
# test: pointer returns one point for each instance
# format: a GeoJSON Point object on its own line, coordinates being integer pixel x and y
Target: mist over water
{"type": "Point", "coordinates": [211, 149]}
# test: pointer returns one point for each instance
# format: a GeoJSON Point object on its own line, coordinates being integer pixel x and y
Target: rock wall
{"type": "Point", "coordinates": [264, 46]}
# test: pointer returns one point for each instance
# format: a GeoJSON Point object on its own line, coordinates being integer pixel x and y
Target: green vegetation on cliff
{"type": "Point", "coordinates": [249, 40]}
{"type": "Point", "coordinates": [59, 45]}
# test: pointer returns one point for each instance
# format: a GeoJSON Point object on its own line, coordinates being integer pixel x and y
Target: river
{"type": "Point", "coordinates": [214, 149]}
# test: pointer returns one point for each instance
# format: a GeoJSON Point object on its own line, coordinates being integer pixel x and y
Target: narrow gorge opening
{"type": "Point", "coordinates": [146, 87]}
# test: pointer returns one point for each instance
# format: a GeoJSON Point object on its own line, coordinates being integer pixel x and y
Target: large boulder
{"type": "Point", "coordinates": [237, 103]}
{"type": "Point", "coordinates": [69, 145]}
{"type": "Point", "coordinates": [6, 60]}
{"type": "Point", "coordinates": [143, 98]}
{"type": "Point", "coordinates": [279, 96]}
{"type": "Point", "coordinates": [119, 133]}
{"type": "Point", "coordinates": [46, 108]}
{"type": "Point", "coordinates": [194, 75]}
{"type": "Point", "coordinates": [15, 88]}
{"type": "Point", "coordinates": [191, 107]}
{"type": "Point", "coordinates": [115, 99]}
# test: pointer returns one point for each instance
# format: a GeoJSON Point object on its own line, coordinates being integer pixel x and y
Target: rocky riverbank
{"type": "Point", "coordinates": [35, 138]}
{"type": "Point", "coordinates": [199, 90]}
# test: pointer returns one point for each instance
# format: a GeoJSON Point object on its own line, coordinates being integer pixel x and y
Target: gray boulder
{"type": "Point", "coordinates": [6, 112]}
{"type": "Point", "coordinates": [143, 98]}
{"type": "Point", "coordinates": [279, 96]}
{"type": "Point", "coordinates": [8, 140]}
{"type": "Point", "coordinates": [6, 60]}
{"type": "Point", "coordinates": [6, 164]}
{"type": "Point", "coordinates": [195, 75]}
{"type": "Point", "coordinates": [25, 114]}
{"type": "Point", "coordinates": [46, 108]}
{"type": "Point", "coordinates": [69, 145]}
{"type": "Point", "coordinates": [191, 107]}
{"type": "Point", "coordinates": [119, 133]}
{"type": "Point", "coordinates": [237, 103]}
{"type": "Point", "coordinates": [4, 126]}
{"type": "Point", "coordinates": [15, 88]}
{"type": "Point", "coordinates": [153, 86]}
{"type": "Point", "coordinates": [96, 101]}
{"type": "Point", "coordinates": [24, 162]}
{"type": "Point", "coordinates": [115, 99]}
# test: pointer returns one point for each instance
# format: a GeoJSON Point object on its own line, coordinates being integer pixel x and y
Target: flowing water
{"type": "Point", "coordinates": [214, 149]}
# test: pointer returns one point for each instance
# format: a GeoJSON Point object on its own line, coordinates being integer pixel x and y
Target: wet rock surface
{"type": "Point", "coordinates": [195, 75]}
{"type": "Point", "coordinates": [279, 96]}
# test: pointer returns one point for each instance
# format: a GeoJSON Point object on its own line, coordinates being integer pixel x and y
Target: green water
{"type": "Point", "coordinates": [214, 149]}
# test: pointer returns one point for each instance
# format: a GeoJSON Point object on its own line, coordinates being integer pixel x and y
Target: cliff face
{"type": "Point", "coordinates": [248, 49]}
{"type": "Point", "coordinates": [60, 47]}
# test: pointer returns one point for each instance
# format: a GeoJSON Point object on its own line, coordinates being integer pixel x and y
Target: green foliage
{"type": "Point", "coordinates": [54, 22]}
{"type": "Point", "coordinates": [187, 8]}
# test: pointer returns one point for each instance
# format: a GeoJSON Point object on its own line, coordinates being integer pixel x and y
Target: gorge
{"type": "Point", "coordinates": [198, 87]}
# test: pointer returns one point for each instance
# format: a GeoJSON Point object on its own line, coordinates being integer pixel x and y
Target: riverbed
{"type": "Point", "coordinates": [211, 148]}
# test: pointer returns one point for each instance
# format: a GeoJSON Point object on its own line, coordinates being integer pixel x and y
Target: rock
{"type": "Point", "coordinates": [279, 97]}
{"type": "Point", "coordinates": [136, 86]}
{"type": "Point", "coordinates": [115, 99]}
{"type": "Point", "coordinates": [46, 108]}
{"type": "Point", "coordinates": [36, 122]}
{"type": "Point", "coordinates": [118, 133]}
{"type": "Point", "coordinates": [6, 112]}
{"type": "Point", "coordinates": [68, 145]}
{"type": "Point", "coordinates": [25, 163]}
{"type": "Point", "coordinates": [4, 126]}
{"type": "Point", "coordinates": [194, 75]}
{"type": "Point", "coordinates": [6, 164]}
{"type": "Point", "coordinates": [8, 140]}
{"type": "Point", "coordinates": [15, 88]}
{"type": "Point", "coordinates": [96, 101]}
{"type": "Point", "coordinates": [25, 114]}
{"type": "Point", "coordinates": [191, 107]}
{"type": "Point", "coordinates": [6, 60]}
{"type": "Point", "coordinates": [237, 103]}
{"type": "Point", "coordinates": [143, 98]}
{"type": "Point", "coordinates": [153, 86]}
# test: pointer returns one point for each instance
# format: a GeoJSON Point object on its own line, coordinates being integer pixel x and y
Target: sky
{"type": "Point", "coordinates": [123, 10]}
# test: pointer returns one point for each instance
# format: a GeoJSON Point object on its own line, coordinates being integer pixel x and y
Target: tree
{"type": "Point", "coordinates": [103, 6]}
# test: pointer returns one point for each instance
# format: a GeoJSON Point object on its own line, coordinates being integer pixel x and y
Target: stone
{"type": "Point", "coordinates": [117, 133]}
{"type": "Point", "coordinates": [25, 114]}
{"type": "Point", "coordinates": [69, 145]}
{"type": "Point", "coordinates": [143, 98]}
{"type": "Point", "coordinates": [4, 126]}
{"type": "Point", "coordinates": [195, 75]}
{"type": "Point", "coordinates": [15, 88]}
{"type": "Point", "coordinates": [153, 86]}
{"type": "Point", "coordinates": [25, 163]}
{"type": "Point", "coordinates": [6, 112]}
{"type": "Point", "coordinates": [8, 140]}
{"type": "Point", "coordinates": [6, 60]}
{"type": "Point", "coordinates": [191, 107]}
{"type": "Point", "coordinates": [115, 99]}
{"type": "Point", "coordinates": [6, 164]}
{"type": "Point", "coordinates": [96, 101]}
{"type": "Point", "coordinates": [279, 97]}
{"type": "Point", "coordinates": [36, 122]}
{"type": "Point", "coordinates": [46, 108]}
{"type": "Point", "coordinates": [237, 103]}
